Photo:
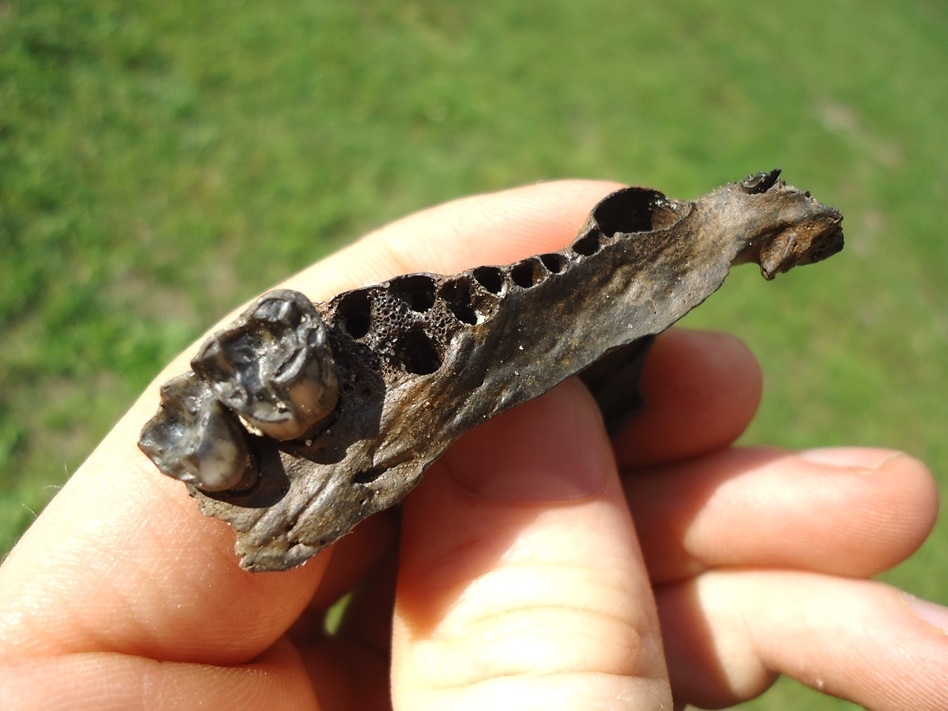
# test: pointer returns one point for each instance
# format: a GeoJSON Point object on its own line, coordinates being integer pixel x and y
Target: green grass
{"type": "Point", "coordinates": [160, 162]}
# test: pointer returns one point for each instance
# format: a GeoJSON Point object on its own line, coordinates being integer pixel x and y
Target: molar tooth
{"type": "Point", "coordinates": [273, 366]}
{"type": "Point", "coordinates": [195, 439]}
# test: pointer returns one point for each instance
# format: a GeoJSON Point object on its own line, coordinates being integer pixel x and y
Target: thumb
{"type": "Point", "coordinates": [521, 583]}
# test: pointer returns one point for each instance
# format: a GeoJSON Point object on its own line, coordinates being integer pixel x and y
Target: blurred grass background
{"type": "Point", "coordinates": [161, 162]}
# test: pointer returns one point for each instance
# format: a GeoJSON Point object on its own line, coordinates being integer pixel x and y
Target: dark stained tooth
{"type": "Point", "coordinates": [195, 439]}
{"type": "Point", "coordinates": [273, 366]}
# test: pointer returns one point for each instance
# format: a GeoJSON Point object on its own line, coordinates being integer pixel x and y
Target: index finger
{"type": "Point", "coordinates": [122, 560]}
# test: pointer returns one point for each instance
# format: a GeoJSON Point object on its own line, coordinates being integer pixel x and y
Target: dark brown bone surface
{"type": "Point", "coordinates": [338, 408]}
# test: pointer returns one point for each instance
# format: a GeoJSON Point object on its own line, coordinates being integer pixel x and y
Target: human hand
{"type": "Point", "coordinates": [517, 580]}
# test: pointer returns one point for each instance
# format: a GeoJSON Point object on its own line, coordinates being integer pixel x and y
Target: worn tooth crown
{"type": "Point", "coordinates": [344, 404]}
{"type": "Point", "coordinates": [273, 366]}
{"type": "Point", "coordinates": [195, 439]}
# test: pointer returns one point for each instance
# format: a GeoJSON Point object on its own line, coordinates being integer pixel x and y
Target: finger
{"type": "Point", "coordinates": [845, 511]}
{"type": "Point", "coordinates": [354, 557]}
{"type": "Point", "coordinates": [350, 668]}
{"type": "Point", "coordinates": [102, 681]}
{"type": "Point", "coordinates": [347, 675]}
{"type": "Point", "coordinates": [520, 584]}
{"type": "Point", "coordinates": [123, 561]}
{"type": "Point", "coordinates": [368, 617]}
{"type": "Point", "coordinates": [701, 390]}
{"type": "Point", "coordinates": [728, 634]}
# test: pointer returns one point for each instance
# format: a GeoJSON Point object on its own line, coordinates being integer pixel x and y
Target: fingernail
{"type": "Point", "coordinates": [850, 457]}
{"type": "Point", "coordinates": [551, 449]}
{"type": "Point", "coordinates": [930, 612]}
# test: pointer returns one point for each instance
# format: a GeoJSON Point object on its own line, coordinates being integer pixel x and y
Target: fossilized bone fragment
{"type": "Point", "coordinates": [300, 420]}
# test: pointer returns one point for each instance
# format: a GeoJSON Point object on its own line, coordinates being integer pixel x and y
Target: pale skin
{"type": "Point", "coordinates": [512, 577]}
